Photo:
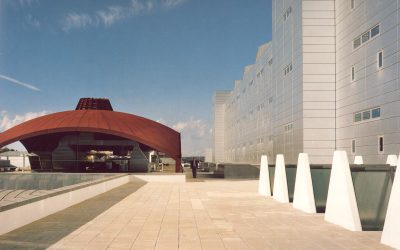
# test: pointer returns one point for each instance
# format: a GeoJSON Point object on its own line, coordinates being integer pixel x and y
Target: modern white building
{"type": "Point", "coordinates": [328, 80]}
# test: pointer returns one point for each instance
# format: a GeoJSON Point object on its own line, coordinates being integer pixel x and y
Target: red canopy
{"type": "Point", "coordinates": [136, 128]}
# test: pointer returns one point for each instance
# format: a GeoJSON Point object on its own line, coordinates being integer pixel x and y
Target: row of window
{"type": "Point", "coordinates": [287, 69]}
{"type": "Point", "coordinates": [366, 36]}
{"type": "Point", "coordinates": [288, 127]}
{"type": "Point", "coordinates": [259, 74]}
{"type": "Point", "coordinates": [367, 114]}
{"type": "Point", "coordinates": [379, 62]}
{"type": "Point", "coordinates": [380, 145]}
{"type": "Point", "coordinates": [287, 13]}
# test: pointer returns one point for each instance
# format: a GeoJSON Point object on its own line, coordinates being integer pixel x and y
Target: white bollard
{"type": "Point", "coordinates": [391, 160]}
{"type": "Point", "coordinates": [264, 186]}
{"type": "Point", "coordinates": [391, 228]}
{"type": "Point", "coordinates": [358, 160]}
{"type": "Point", "coordinates": [341, 204]}
{"type": "Point", "coordinates": [303, 197]}
{"type": "Point", "coordinates": [280, 182]}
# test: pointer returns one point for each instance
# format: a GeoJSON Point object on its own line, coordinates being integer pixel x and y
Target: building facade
{"type": "Point", "coordinates": [94, 137]}
{"type": "Point", "coordinates": [327, 81]}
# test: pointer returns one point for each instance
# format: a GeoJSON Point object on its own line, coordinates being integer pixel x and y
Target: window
{"type": "Point", "coordinates": [380, 59]}
{"type": "Point", "coordinates": [380, 143]}
{"type": "Point", "coordinates": [251, 82]}
{"type": "Point", "coordinates": [259, 74]}
{"type": "Point", "coordinates": [376, 112]}
{"type": "Point", "coordinates": [366, 36]}
{"type": "Point", "coordinates": [357, 43]}
{"type": "Point", "coordinates": [353, 146]}
{"type": "Point", "coordinates": [375, 31]}
{"type": "Point", "coordinates": [288, 127]}
{"type": "Point", "coordinates": [287, 13]}
{"type": "Point", "coordinates": [357, 117]}
{"type": "Point", "coordinates": [352, 4]}
{"type": "Point", "coordinates": [353, 74]}
{"type": "Point", "coordinates": [287, 69]}
{"type": "Point", "coordinates": [270, 62]}
{"type": "Point", "coordinates": [366, 115]}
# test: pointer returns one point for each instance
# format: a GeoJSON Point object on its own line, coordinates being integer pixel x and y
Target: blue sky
{"type": "Point", "coordinates": [161, 59]}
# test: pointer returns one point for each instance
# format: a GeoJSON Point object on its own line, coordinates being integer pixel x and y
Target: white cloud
{"type": "Point", "coordinates": [196, 128]}
{"type": "Point", "coordinates": [8, 121]}
{"type": "Point", "coordinates": [74, 20]}
{"type": "Point", "coordinates": [32, 21]}
{"type": "Point", "coordinates": [194, 136]}
{"type": "Point", "coordinates": [12, 80]}
{"type": "Point", "coordinates": [112, 14]}
{"type": "Point", "coordinates": [162, 121]}
{"type": "Point", "coordinates": [173, 3]}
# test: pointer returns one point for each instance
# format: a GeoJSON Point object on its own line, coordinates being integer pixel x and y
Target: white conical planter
{"type": "Point", "coordinates": [264, 186]}
{"type": "Point", "coordinates": [358, 160]}
{"type": "Point", "coordinates": [303, 197]}
{"type": "Point", "coordinates": [341, 204]}
{"type": "Point", "coordinates": [280, 183]}
{"type": "Point", "coordinates": [391, 160]}
{"type": "Point", "coordinates": [391, 229]}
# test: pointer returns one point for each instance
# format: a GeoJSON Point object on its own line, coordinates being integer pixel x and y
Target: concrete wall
{"type": "Point", "coordinates": [18, 161]}
{"type": "Point", "coordinates": [22, 215]}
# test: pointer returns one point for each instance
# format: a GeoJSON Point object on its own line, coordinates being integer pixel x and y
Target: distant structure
{"type": "Point", "coordinates": [94, 138]}
{"type": "Point", "coordinates": [328, 80]}
{"type": "Point", "coordinates": [17, 159]}
{"type": "Point", "coordinates": [94, 103]}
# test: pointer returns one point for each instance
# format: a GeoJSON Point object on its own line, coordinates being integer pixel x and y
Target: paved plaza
{"type": "Point", "coordinates": [208, 214]}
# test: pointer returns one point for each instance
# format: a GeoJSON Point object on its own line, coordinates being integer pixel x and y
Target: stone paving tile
{"type": "Point", "coordinates": [215, 214]}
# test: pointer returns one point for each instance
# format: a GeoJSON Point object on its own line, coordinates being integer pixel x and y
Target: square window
{"type": "Point", "coordinates": [365, 37]}
{"type": "Point", "coordinates": [357, 43]}
{"type": "Point", "coordinates": [357, 117]}
{"type": "Point", "coordinates": [375, 31]}
{"type": "Point", "coordinates": [366, 115]}
{"type": "Point", "coordinates": [376, 113]}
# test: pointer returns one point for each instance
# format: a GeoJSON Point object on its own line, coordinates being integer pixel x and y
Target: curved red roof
{"type": "Point", "coordinates": [142, 130]}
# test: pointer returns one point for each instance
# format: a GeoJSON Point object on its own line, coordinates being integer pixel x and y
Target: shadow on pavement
{"type": "Point", "coordinates": [45, 232]}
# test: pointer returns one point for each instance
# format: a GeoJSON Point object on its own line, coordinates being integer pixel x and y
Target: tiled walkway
{"type": "Point", "coordinates": [215, 214]}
